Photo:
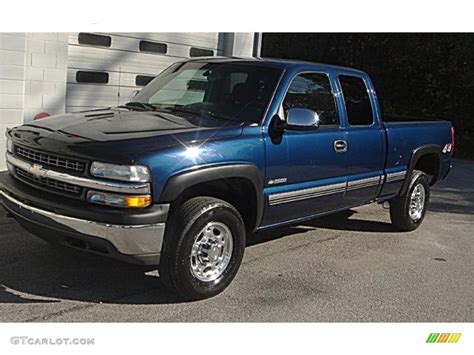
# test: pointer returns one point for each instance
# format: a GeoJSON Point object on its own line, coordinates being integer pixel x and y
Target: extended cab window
{"type": "Point", "coordinates": [357, 100]}
{"type": "Point", "coordinates": [313, 91]}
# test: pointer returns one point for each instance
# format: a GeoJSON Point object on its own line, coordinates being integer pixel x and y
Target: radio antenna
{"type": "Point", "coordinates": [119, 86]}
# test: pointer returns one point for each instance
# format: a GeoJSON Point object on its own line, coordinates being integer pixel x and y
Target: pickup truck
{"type": "Point", "coordinates": [211, 151]}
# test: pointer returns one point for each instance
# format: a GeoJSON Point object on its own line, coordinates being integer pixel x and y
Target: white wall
{"type": "Point", "coordinates": [243, 44]}
{"type": "Point", "coordinates": [33, 71]}
{"type": "Point", "coordinates": [12, 84]}
{"type": "Point", "coordinates": [45, 74]}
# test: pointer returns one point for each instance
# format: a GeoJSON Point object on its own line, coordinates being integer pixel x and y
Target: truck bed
{"type": "Point", "coordinates": [403, 138]}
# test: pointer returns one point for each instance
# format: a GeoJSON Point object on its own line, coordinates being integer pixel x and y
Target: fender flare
{"type": "Point", "coordinates": [177, 184]}
{"type": "Point", "coordinates": [416, 155]}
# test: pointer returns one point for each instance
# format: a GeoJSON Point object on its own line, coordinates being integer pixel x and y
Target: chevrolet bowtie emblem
{"type": "Point", "coordinates": [37, 170]}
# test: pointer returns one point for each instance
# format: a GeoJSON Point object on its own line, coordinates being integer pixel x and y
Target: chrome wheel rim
{"type": "Point", "coordinates": [417, 203]}
{"type": "Point", "coordinates": [211, 251]}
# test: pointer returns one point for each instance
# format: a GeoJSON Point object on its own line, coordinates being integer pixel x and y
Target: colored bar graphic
{"type": "Point", "coordinates": [443, 337]}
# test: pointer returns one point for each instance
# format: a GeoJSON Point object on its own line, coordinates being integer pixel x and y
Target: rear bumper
{"type": "Point", "coordinates": [138, 242]}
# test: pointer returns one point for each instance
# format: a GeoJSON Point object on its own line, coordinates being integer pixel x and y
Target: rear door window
{"type": "Point", "coordinates": [356, 98]}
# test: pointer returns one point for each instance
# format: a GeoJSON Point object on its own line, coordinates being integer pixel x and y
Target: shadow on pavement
{"type": "Point", "coordinates": [341, 221]}
{"type": "Point", "coordinates": [48, 275]}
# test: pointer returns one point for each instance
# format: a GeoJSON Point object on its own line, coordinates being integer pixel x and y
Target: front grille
{"type": "Point", "coordinates": [51, 184]}
{"type": "Point", "coordinates": [50, 160]}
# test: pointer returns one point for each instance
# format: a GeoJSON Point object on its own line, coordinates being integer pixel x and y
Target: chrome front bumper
{"type": "Point", "coordinates": [130, 240]}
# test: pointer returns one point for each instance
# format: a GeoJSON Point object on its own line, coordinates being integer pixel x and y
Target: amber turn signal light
{"type": "Point", "coordinates": [138, 201]}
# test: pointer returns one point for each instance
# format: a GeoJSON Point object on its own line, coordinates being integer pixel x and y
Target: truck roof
{"type": "Point", "coordinates": [275, 62]}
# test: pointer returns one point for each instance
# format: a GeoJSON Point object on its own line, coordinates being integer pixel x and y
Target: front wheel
{"type": "Point", "coordinates": [408, 211]}
{"type": "Point", "coordinates": [203, 248]}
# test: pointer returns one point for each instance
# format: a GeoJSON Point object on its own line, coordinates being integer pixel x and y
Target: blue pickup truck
{"type": "Point", "coordinates": [212, 150]}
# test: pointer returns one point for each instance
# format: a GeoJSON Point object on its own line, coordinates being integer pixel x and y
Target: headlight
{"type": "Point", "coordinates": [9, 146]}
{"type": "Point", "coordinates": [131, 173]}
{"type": "Point", "coordinates": [126, 201]}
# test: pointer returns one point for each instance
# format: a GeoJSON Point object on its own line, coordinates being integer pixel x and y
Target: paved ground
{"type": "Point", "coordinates": [348, 267]}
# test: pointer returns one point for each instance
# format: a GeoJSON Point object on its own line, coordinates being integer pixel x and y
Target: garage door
{"type": "Point", "coordinates": [105, 68]}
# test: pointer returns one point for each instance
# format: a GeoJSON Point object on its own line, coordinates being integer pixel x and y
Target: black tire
{"type": "Point", "coordinates": [185, 224]}
{"type": "Point", "coordinates": [400, 205]}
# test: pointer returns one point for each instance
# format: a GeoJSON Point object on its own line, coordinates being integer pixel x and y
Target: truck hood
{"type": "Point", "coordinates": [119, 135]}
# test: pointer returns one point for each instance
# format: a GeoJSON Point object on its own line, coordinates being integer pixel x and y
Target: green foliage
{"type": "Point", "coordinates": [416, 74]}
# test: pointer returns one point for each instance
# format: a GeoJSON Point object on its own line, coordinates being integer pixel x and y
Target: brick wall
{"type": "Point", "coordinates": [12, 84]}
{"type": "Point", "coordinates": [45, 74]}
{"type": "Point", "coordinates": [33, 71]}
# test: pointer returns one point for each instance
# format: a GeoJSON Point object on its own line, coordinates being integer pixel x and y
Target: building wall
{"type": "Point", "coordinates": [38, 70]}
{"type": "Point", "coordinates": [45, 74]}
{"type": "Point", "coordinates": [12, 84]}
{"type": "Point", "coordinates": [33, 69]}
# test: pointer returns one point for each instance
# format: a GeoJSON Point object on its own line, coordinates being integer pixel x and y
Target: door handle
{"type": "Point", "coordinates": [340, 146]}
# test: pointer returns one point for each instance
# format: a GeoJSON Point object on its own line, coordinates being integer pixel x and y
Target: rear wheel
{"type": "Point", "coordinates": [203, 248]}
{"type": "Point", "coordinates": [408, 211]}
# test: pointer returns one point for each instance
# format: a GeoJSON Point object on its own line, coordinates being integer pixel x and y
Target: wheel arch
{"type": "Point", "coordinates": [231, 183]}
{"type": "Point", "coordinates": [426, 158]}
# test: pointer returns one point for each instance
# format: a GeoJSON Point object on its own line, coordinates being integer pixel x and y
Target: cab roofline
{"type": "Point", "coordinates": [274, 62]}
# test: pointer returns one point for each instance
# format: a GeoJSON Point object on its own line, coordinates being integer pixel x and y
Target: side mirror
{"type": "Point", "coordinates": [132, 95]}
{"type": "Point", "coordinates": [301, 119]}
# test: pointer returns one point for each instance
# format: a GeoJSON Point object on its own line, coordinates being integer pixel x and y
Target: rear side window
{"type": "Point", "coordinates": [357, 101]}
{"type": "Point", "coordinates": [313, 91]}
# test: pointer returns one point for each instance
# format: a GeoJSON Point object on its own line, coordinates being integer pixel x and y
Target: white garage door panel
{"type": "Point", "coordinates": [208, 40]}
{"type": "Point", "coordinates": [132, 45]}
{"type": "Point", "coordinates": [118, 60]}
{"type": "Point", "coordinates": [83, 90]}
{"type": "Point", "coordinates": [84, 98]}
{"type": "Point", "coordinates": [75, 66]}
{"type": "Point", "coordinates": [115, 78]}
{"type": "Point", "coordinates": [123, 61]}
{"type": "Point", "coordinates": [78, 104]}
{"type": "Point", "coordinates": [85, 53]}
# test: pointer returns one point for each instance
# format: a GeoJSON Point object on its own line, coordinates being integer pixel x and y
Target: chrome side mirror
{"type": "Point", "coordinates": [301, 119]}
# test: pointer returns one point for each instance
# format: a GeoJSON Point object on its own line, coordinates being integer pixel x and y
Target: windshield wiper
{"type": "Point", "coordinates": [141, 106]}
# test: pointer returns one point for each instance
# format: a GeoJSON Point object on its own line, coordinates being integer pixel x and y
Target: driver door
{"type": "Point", "coordinates": [306, 174]}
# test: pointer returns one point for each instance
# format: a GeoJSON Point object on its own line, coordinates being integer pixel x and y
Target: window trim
{"type": "Point", "coordinates": [344, 100]}
{"type": "Point", "coordinates": [333, 92]}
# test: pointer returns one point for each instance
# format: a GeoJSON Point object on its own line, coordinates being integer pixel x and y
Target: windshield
{"type": "Point", "coordinates": [233, 91]}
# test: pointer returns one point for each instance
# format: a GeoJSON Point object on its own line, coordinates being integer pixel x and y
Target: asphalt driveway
{"type": "Point", "coordinates": [352, 266]}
